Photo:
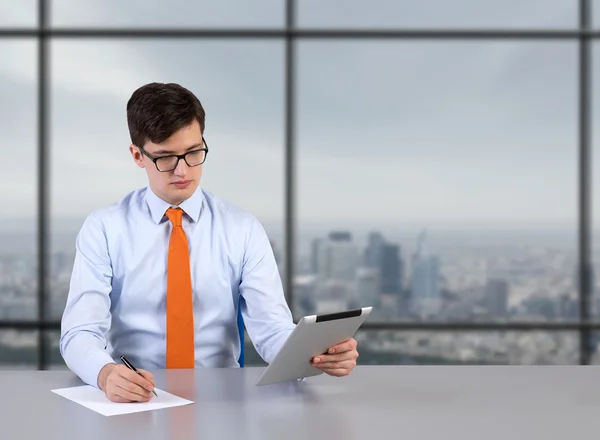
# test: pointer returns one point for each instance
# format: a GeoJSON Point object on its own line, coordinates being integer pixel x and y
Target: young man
{"type": "Point", "coordinates": [157, 276]}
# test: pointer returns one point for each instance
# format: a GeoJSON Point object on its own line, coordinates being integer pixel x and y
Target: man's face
{"type": "Point", "coordinates": [176, 185]}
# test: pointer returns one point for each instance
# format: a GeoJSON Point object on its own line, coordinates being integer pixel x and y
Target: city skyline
{"type": "Point", "coordinates": [467, 293]}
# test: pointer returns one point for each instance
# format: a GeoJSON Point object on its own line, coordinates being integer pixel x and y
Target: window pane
{"type": "Point", "coordinates": [251, 356]}
{"type": "Point", "coordinates": [173, 14]}
{"type": "Point", "coordinates": [595, 351]}
{"type": "Point", "coordinates": [18, 178]}
{"type": "Point", "coordinates": [54, 359]}
{"type": "Point", "coordinates": [18, 349]}
{"type": "Point", "coordinates": [437, 180]}
{"type": "Point", "coordinates": [21, 13]}
{"type": "Point", "coordinates": [240, 85]}
{"type": "Point", "coordinates": [438, 14]}
{"type": "Point", "coordinates": [458, 347]}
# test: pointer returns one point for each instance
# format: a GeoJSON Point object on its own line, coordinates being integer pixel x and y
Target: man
{"type": "Point", "coordinates": [158, 275]}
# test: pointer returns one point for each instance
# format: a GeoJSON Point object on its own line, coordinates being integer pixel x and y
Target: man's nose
{"type": "Point", "coordinates": [181, 167]}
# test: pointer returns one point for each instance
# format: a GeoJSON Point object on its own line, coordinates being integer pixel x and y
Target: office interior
{"type": "Point", "coordinates": [433, 160]}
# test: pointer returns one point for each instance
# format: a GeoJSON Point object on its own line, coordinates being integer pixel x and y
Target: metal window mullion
{"type": "Point", "coordinates": [42, 199]}
{"type": "Point", "coordinates": [584, 134]}
{"type": "Point", "coordinates": [290, 164]}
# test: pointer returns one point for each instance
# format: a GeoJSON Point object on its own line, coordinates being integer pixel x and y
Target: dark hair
{"type": "Point", "coordinates": [156, 110]}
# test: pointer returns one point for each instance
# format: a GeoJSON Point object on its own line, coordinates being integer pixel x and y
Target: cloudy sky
{"type": "Point", "coordinates": [423, 132]}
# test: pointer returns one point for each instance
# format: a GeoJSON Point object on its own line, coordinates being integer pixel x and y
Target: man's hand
{"type": "Point", "coordinates": [120, 384]}
{"type": "Point", "coordinates": [340, 360]}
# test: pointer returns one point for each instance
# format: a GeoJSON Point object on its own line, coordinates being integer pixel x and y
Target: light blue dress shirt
{"type": "Point", "coordinates": [117, 297]}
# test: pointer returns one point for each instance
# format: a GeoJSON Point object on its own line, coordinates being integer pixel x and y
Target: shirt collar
{"type": "Point", "coordinates": [158, 206]}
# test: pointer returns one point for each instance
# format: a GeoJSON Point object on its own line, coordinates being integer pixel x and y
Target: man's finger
{"type": "Point", "coordinates": [148, 376]}
{"type": "Point", "coordinates": [135, 378]}
{"type": "Point", "coordinates": [336, 371]}
{"type": "Point", "coordinates": [133, 387]}
{"type": "Point", "coordinates": [343, 346]}
{"type": "Point", "coordinates": [124, 392]}
{"type": "Point", "coordinates": [113, 396]}
{"type": "Point", "coordinates": [320, 360]}
{"type": "Point", "coordinates": [349, 364]}
{"type": "Point", "coordinates": [328, 358]}
{"type": "Point", "coordinates": [345, 364]}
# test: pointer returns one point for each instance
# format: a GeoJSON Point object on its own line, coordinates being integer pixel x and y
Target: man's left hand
{"type": "Point", "coordinates": [340, 359]}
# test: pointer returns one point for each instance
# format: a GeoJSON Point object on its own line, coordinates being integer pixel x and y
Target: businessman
{"type": "Point", "coordinates": [157, 275]}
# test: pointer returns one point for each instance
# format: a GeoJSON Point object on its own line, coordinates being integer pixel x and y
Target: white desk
{"type": "Point", "coordinates": [402, 403]}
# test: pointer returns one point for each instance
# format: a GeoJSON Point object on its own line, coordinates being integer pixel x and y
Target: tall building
{"type": "Point", "coordinates": [337, 260]}
{"type": "Point", "coordinates": [385, 258]}
{"type": "Point", "coordinates": [374, 251]}
{"type": "Point", "coordinates": [368, 287]}
{"type": "Point", "coordinates": [391, 269]}
{"type": "Point", "coordinates": [425, 291]}
{"type": "Point", "coordinates": [496, 293]}
{"type": "Point", "coordinates": [304, 294]}
{"type": "Point", "coordinates": [314, 254]}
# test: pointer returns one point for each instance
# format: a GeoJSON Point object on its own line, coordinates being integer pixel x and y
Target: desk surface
{"type": "Point", "coordinates": [403, 402]}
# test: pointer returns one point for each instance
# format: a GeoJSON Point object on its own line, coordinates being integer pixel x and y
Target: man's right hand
{"type": "Point", "coordinates": [120, 384]}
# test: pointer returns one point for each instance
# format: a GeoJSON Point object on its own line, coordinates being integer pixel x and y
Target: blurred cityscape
{"type": "Point", "coordinates": [423, 275]}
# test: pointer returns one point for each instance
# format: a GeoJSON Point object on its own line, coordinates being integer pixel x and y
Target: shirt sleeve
{"type": "Point", "coordinates": [266, 314]}
{"type": "Point", "coordinates": [86, 318]}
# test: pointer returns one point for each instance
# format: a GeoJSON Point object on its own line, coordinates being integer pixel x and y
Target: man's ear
{"type": "Point", "coordinates": [137, 156]}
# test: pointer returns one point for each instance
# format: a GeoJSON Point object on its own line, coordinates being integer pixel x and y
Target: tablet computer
{"type": "Point", "coordinates": [312, 336]}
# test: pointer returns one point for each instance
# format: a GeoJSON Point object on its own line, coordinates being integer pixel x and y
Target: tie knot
{"type": "Point", "coordinates": [175, 215]}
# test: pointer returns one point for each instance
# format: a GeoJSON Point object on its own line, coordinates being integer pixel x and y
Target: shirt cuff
{"type": "Point", "coordinates": [94, 363]}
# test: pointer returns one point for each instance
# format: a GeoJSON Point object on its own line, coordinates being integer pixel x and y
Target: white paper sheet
{"type": "Point", "coordinates": [96, 400]}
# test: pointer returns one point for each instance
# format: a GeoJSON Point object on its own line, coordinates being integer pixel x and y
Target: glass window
{"type": "Point", "coordinates": [595, 348]}
{"type": "Point", "coordinates": [510, 14]}
{"type": "Point", "coordinates": [18, 14]}
{"type": "Point", "coordinates": [173, 14]}
{"type": "Point", "coordinates": [251, 356]}
{"type": "Point", "coordinates": [389, 347]}
{"type": "Point", "coordinates": [437, 181]}
{"type": "Point", "coordinates": [240, 85]}
{"type": "Point", "coordinates": [54, 359]}
{"type": "Point", "coordinates": [18, 349]}
{"type": "Point", "coordinates": [18, 178]}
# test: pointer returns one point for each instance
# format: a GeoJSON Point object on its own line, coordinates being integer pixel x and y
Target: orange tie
{"type": "Point", "coordinates": [180, 314]}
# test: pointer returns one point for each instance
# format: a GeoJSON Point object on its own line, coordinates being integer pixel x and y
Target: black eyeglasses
{"type": "Point", "coordinates": [169, 163]}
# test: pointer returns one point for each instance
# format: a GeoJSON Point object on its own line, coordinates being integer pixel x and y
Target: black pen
{"type": "Point", "coordinates": [132, 368]}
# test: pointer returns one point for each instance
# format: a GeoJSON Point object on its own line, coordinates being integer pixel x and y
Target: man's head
{"type": "Point", "coordinates": [166, 120]}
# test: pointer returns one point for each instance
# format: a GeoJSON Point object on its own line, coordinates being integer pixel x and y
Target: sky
{"type": "Point", "coordinates": [420, 132]}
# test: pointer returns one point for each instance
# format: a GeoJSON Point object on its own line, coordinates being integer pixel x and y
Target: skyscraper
{"type": "Point", "coordinates": [368, 287]}
{"type": "Point", "coordinates": [425, 292]}
{"type": "Point", "coordinates": [338, 257]}
{"type": "Point", "coordinates": [387, 260]}
{"type": "Point", "coordinates": [391, 269]}
{"type": "Point", "coordinates": [314, 254]}
{"type": "Point", "coordinates": [374, 251]}
{"type": "Point", "coordinates": [337, 261]}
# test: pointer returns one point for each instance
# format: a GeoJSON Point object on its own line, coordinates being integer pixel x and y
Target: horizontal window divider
{"type": "Point", "coordinates": [309, 33]}
{"type": "Point", "coordinates": [402, 325]}
{"type": "Point", "coordinates": [29, 325]}
{"type": "Point", "coordinates": [482, 326]}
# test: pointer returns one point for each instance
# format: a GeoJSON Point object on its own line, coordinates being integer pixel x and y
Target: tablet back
{"type": "Point", "coordinates": [312, 336]}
